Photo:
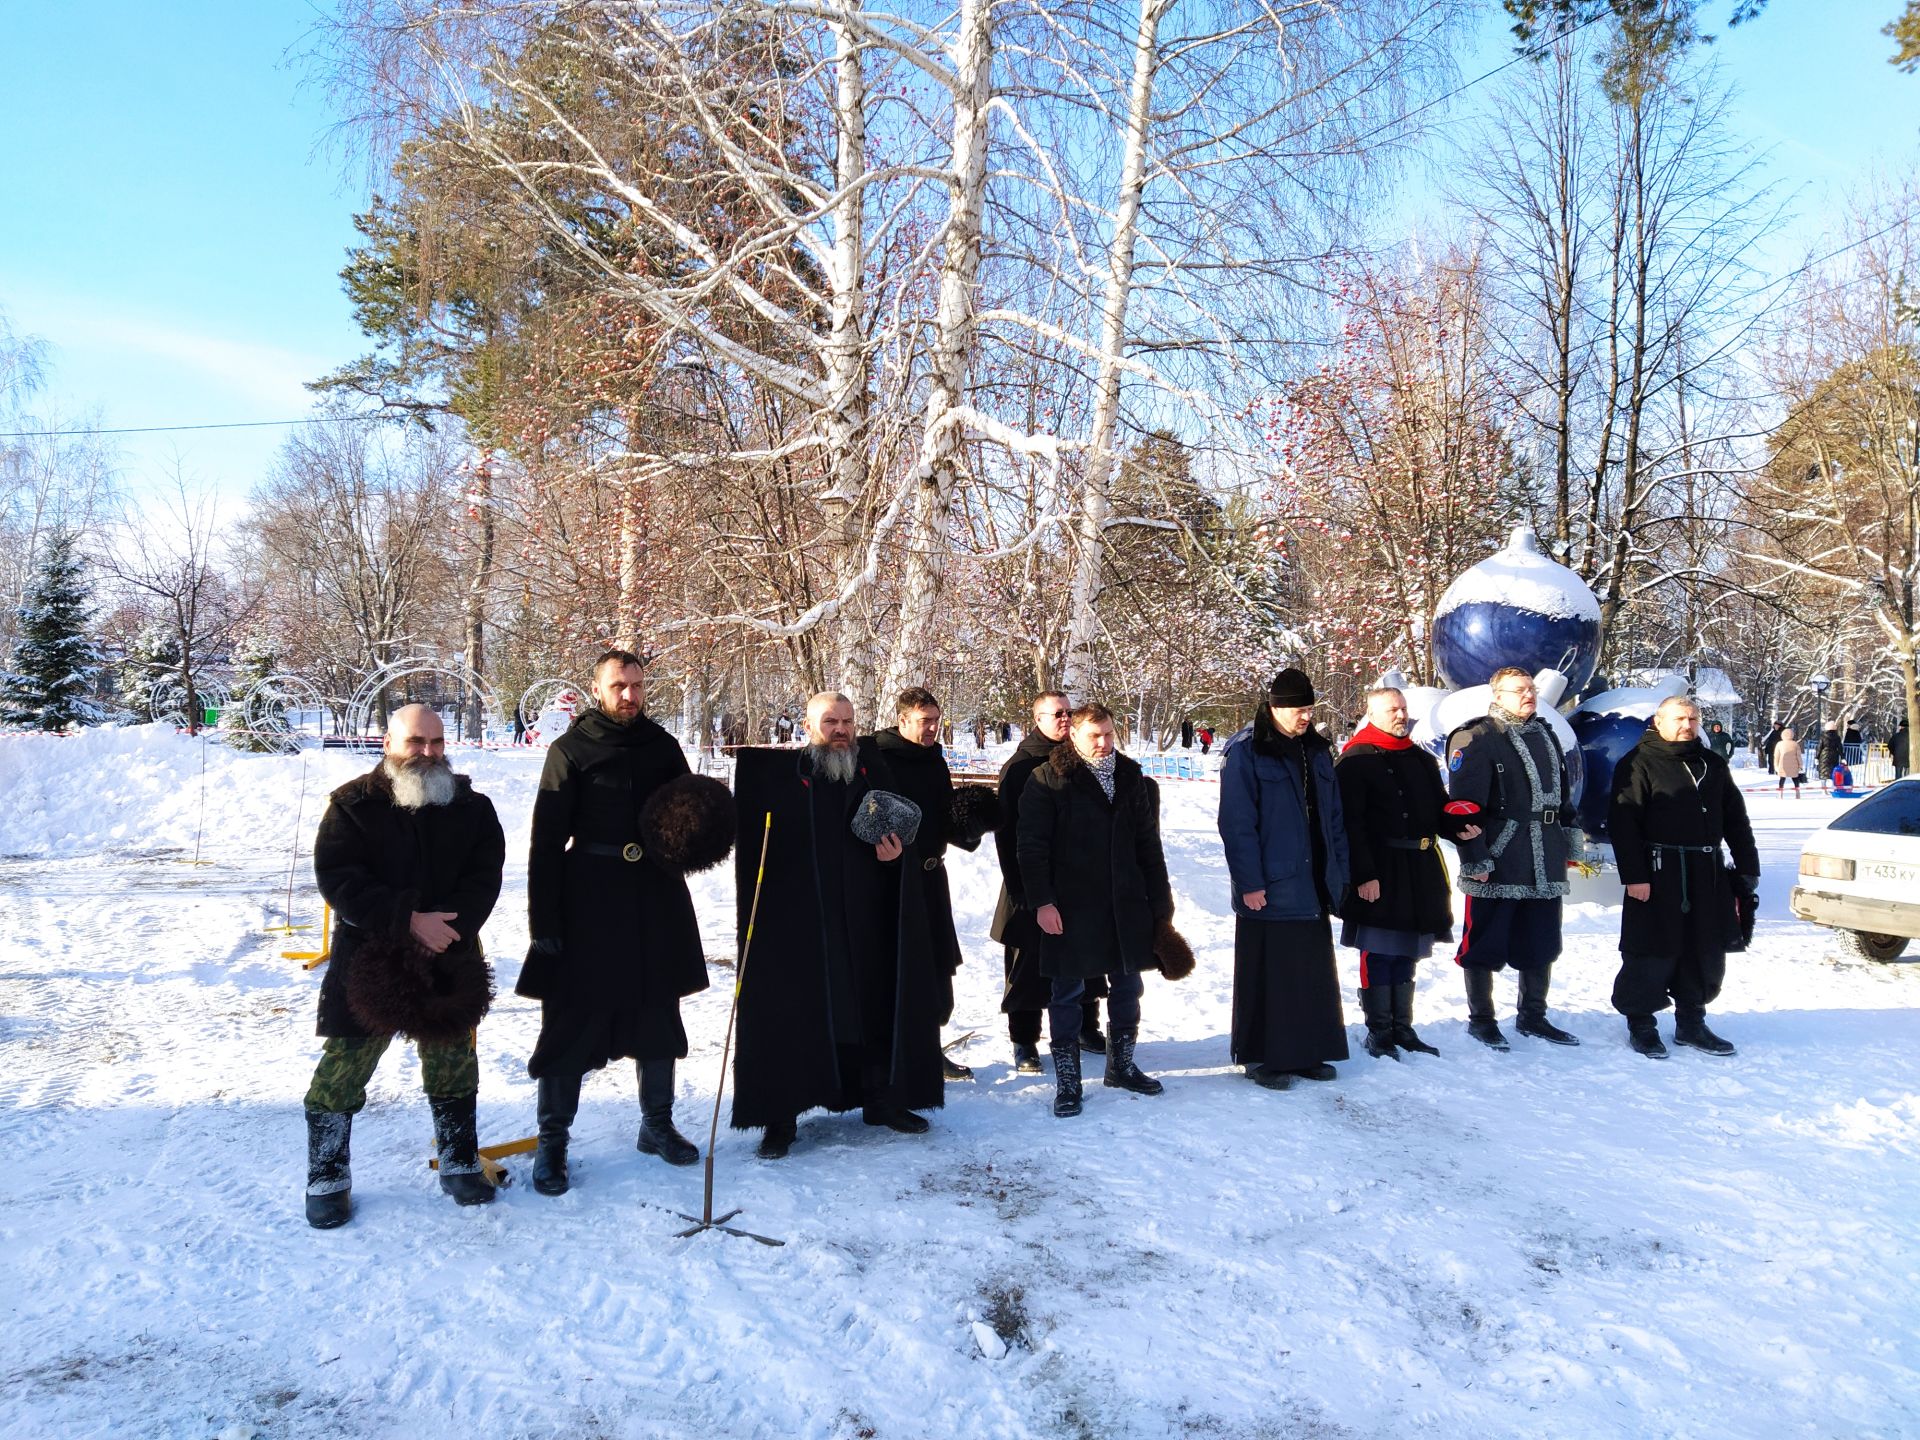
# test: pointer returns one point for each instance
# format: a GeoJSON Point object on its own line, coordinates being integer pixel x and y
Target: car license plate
{"type": "Point", "coordinates": [1888, 871]}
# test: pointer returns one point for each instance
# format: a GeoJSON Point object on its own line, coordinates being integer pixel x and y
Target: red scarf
{"type": "Point", "coordinates": [1371, 734]}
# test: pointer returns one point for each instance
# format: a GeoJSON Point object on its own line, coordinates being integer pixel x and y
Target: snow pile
{"type": "Point", "coordinates": [1553, 1241]}
{"type": "Point", "coordinates": [1520, 576]}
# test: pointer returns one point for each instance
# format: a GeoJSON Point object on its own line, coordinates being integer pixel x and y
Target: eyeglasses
{"type": "Point", "coordinates": [1055, 714]}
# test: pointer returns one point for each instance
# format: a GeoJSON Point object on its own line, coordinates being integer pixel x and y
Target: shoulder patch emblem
{"type": "Point", "coordinates": [1453, 761]}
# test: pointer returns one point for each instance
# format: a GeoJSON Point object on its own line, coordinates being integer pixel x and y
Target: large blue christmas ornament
{"type": "Point", "coordinates": [1517, 607]}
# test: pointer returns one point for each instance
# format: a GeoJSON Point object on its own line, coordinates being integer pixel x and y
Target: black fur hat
{"type": "Point", "coordinates": [395, 986]}
{"type": "Point", "coordinates": [883, 813]}
{"type": "Point", "coordinates": [1170, 948]}
{"type": "Point", "coordinates": [687, 825]}
{"type": "Point", "coordinates": [973, 815]}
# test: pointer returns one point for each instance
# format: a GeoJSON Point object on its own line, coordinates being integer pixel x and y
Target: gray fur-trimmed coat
{"type": "Point", "coordinates": [1517, 775]}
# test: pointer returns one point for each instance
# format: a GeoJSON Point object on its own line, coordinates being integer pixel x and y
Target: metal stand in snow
{"type": "Point", "coordinates": [706, 1220]}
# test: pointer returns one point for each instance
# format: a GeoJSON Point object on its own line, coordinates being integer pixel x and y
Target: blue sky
{"type": "Point", "coordinates": [174, 220]}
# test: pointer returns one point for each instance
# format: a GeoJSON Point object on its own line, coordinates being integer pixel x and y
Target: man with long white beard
{"type": "Point", "coordinates": [409, 857]}
{"type": "Point", "coordinates": [839, 999]}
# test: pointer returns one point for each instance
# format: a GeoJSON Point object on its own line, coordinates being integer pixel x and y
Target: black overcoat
{"type": "Point", "coordinates": [1098, 860]}
{"type": "Point", "coordinates": [1012, 916]}
{"type": "Point", "coordinates": [627, 930]}
{"type": "Point", "coordinates": [1392, 800]}
{"type": "Point", "coordinates": [794, 1052]}
{"type": "Point", "coordinates": [376, 864]}
{"type": "Point", "coordinates": [1677, 793]}
{"type": "Point", "coordinates": [920, 773]}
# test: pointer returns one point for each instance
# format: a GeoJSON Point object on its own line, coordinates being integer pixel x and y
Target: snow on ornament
{"type": "Point", "coordinates": [1517, 607]}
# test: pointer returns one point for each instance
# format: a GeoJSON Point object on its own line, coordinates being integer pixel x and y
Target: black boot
{"type": "Point", "coordinates": [953, 1070]}
{"type": "Point", "coordinates": [1480, 1022]}
{"type": "Point", "coordinates": [558, 1101]}
{"type": "Point", "coordinates": [1643, 1034]}
{"type": "Point", "coordinates": [1026, 1059]}
{"type": "Point", "coordinates": [1533, 1008]}
{"type": "Point", "coordinates": [459, 1149]}
{"type": "Point", "coordinates": [1066, 1079]}
{"type": "Point", "coordinates": [1692, 1031]}
{"type": "Point", "coordinates": [1122, 1073]}
{"type": "Point", "coordinates": [1270, 1079]}
{"type": "Point", "coordinates": [657, 1135]}
{"type": "Point", "coordinates": [1090, 1036]}
{"type": "Point", "coordinates": [1403, 1021]}
{"type": "Point", "coordinates": [1376, 1005]}
{"type": "Point", "coordinates": [777, 1139]}
{"type": "Point", "coordinates": [329, 1174]}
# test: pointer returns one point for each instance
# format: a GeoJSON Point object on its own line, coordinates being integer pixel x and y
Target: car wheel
{"type": "Point", "coordinates": [1877, 947]}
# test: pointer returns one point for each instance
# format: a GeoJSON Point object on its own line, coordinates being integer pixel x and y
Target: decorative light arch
{"type": "Point", "coordinates": [360, 707]}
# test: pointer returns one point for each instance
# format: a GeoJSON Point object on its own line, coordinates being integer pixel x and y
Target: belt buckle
{"type": "Point", "coordinates": [631, 851]}
{"type": "Point", "coordinates": [1426, 842]}
{"type": "Point", "coordinates": [1550, 816]}
{"type": "Point", "coordinates": [932, 862]}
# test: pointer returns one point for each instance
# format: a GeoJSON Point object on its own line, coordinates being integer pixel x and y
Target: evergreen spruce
{"type": "Point", "coordinates": [50, 683]}
{"type": "Point", "coordinates": [255, 660]}
{"type": "Point", "coordinates": [153, 659]}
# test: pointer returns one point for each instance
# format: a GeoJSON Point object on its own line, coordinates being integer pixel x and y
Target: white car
{"type": "Point", "coordinates": [1861, 874]}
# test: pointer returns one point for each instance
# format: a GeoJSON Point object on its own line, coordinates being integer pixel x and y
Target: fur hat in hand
{"type": "Point", "coordinates": [883, 813]}
{"type": "Point", "coordinates": [396, 986]}
{"type": "Point", "coordinates": [1170, 948]}
{"type": "Point", "coordinates": [973, 815]}
{"type": "Point", "coordinates": [687, 825]}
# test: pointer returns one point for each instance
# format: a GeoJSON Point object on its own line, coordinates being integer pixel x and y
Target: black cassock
{"type": "Point", "coordinates": [840, 996]}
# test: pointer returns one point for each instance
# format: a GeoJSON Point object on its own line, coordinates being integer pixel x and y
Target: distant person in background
{"type": "Point", "coordinates": [1826, 754]}
{"type": "Point", "coordinates": [1205, 736]}
{"type": "Point", "coordinates": [1787, 762]}
{"type": "Point", "coordinates": [783, 729]}
{"type": "Point", "coordinates": [1852, 735]}
{"type": "Point", "coordinates": [1674, 804]}
{"type": "Point", "coordinates": [1897, 744]}
{"type": "Point", "coordinates": [1768, 745]}
{"type": "Point", "coordinates": [1720, 742]}
{"type": "Point", "coordinates": [1186, 734]}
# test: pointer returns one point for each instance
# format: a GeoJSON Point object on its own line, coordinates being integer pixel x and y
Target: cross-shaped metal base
{"type": "Point", "coordinates": [720, 1224]}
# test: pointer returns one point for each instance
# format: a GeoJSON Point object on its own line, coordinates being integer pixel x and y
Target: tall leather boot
{"type": "Point", "coordinates": [1403, 1021]}
{"type": "Point", "coordinates": [1533, 1008]}
{"type": "Point", "coordinates": [657, 1135]}
{"type": "Point", "coordinates": [1480, 1022]}
{"type": "Point", "coordinates": [1066, 1079]}
{"type": "Point", "coordinates": [1121, 1072]}
{"type": "Point", "coordinates": [458, 1145]}
{"type": "Point", "coordinates": [1690, 1029]}
{"type": "Point", "coordinates": [558, 1102]}
{"type": "Point", "coordinates": [1376, 1007]}
{"type": "Point", "coordinates": [329, 1173]}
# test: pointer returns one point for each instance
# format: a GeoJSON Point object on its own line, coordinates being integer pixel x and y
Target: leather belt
{"type": "Point", "coordinates": [933, 862]}
{"type": "Point", "coordinates": [1549, 816]}
{"type": "Point", "coordinates": [1425, 842]}
{"type": "Point", "coordinates": [628, 852]}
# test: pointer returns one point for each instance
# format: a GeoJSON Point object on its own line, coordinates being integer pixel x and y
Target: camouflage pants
{"type": "Point", "coordinates": [340, 1079]}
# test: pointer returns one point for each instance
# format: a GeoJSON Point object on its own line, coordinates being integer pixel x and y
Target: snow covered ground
{"type": "Point", "coordinates": [1549, 1242]}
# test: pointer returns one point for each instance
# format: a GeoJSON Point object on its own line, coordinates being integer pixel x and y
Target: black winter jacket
{"type": "Point", "coordinates": [1012, 916]}
{"type": "Point", "coordinates": [1098, 860]}
{"type": "Point", "coordinates": [376, 864]}
{"type": "Point", "coordinates": [1392, 801]}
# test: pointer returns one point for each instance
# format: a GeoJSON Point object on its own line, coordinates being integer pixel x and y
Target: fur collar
{"type": "Point", "coordinates": [898, 749]}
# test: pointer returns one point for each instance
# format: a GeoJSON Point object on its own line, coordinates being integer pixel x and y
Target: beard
{"type": "Point", "coordinates": [420, 781]}
{"type": "Point", "coordinates": [831, 763]}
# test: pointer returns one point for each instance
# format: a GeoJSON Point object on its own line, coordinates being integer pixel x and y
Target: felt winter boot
{"type": "Point", "coordinates": [777, 1139]}
{"type": "Point", "coordinates": [1403, 1021]}
{"type": "Point", "coordinates": [1643, 1034]}
{"type": "Point", "coordinates": [657, 1135]}
{"type": "Point", "coordinates": [458, 1145]}
{"type": "Point", "coordinates": [1376, 1005]}
{"type": "Point", "coordinates": [557, 1103]}
{"type": "Point", "coordinates": [1533, 1008]}
{"type": "Point", "coordinates": [329, 1175]}
{"type": "Point", "coordinates": [1692, 1031]}
{"type": "Point", "coordinates": [1122, 1073]}
{"type": "Point", "coordinates": [1066, 1079]}
{"type": "Point", "coordinates": [1480, 1022]}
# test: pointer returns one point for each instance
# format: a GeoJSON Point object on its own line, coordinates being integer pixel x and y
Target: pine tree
{"type": "Point", "coordinates": [151, 660]}
{"type": "Point", "coordinates": [50, 685]}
